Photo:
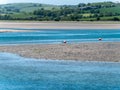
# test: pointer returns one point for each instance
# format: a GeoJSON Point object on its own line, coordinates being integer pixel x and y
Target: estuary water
{"type": "Point", "coordinates": [18, 73]}
{"type": "Point", "coordinates": [57, 36]}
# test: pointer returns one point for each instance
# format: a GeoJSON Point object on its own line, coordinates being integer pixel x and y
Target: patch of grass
{"type": "Point", "coordinates": [87, 15]}
{"type": "Point", "coordinates": [110, 10]}
{"type": "Point", "coordinates": [21, 15]}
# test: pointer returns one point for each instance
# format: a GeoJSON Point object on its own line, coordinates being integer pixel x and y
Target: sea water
{"type": "Point", "coordinates": [18, 73]}
{"type": "Point", "coordinates": [59, 35]}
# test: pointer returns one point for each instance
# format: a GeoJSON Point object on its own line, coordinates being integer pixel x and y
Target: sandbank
{"type": "Point", "coordinates": [109, 52]}
{"type": "Point", "coordinates": [59, 25]}
{"type": "Point", "coordinates": [11, 30]}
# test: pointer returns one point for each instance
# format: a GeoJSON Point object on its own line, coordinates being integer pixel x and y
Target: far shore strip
{"type": "Point", "coordinates": [60, 25]}
{"type": "Point", "coordinates": [109, 52]}
{"type": "Point", "coordinates": [10, 30]}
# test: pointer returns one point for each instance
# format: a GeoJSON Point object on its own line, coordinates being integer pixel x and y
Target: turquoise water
{"type": "Point", "coordinates": [17, 73]}
{"type": "Point", "coordinates": [57, 36]}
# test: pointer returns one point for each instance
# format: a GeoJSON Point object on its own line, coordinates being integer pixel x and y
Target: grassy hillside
{"type": "Point", "coordinates": [25, 7]}
{"type": "Point", "coordinates": [113, 10]}
{"type": "Point", "coordinates": [103, 11]}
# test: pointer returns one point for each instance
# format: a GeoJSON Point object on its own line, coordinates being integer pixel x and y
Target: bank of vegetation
{"type": "Point", "coordinates": [103, 11]}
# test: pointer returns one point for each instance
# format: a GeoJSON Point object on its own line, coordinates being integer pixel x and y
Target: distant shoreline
{"type": "Point", "coordinates": [59, 25]}
{"type": "Point", "coordinates": [10, 30]}
{"type": "Point", "coordinates": [107, 52]}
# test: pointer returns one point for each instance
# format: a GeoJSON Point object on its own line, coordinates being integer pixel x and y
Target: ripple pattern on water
{"type": "Point", "coordinates": [18, 73]}
{"type": "Point", "coordinates": [57, 36]}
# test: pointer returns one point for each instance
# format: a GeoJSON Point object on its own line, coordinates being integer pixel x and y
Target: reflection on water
{"type": "Point", "coordinates": [17, 73]}
{"type": "Point", "coordinates": [57, 36]}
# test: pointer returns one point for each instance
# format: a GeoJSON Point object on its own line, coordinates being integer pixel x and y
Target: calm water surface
{"type": "Point", "coordinates": [57, 36]}
{"type": "Point", "coordinates": [17, 73]}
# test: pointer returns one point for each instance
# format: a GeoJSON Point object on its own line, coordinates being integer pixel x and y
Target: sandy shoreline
{"type": "Point", "coordinates": [60, 25]}
{"type": "Point", "coordinates": [109, 52]}
{"type": "Point", "coordinates": [10, 30]}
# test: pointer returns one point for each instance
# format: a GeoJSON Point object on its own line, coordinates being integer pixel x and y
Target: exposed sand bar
{"type": "Point", "coordinates": [10, 30]}
{"type": "Point", "coordinates": [82, 51]}
{"type": "Point", "coordinates": [60, 25]}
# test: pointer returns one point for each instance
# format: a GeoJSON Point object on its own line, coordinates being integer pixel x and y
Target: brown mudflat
{"type": "Point", "coordinates": [82, 51]}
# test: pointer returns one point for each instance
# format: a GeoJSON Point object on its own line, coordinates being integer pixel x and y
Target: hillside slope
{"type": "Point", "coordinates": [102, 11]}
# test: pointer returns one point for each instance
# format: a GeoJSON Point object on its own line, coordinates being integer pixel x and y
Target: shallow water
{"type": "Point", "coordinates": [57, 36]}
{"type": "Point", "coordinates": [18, 73]}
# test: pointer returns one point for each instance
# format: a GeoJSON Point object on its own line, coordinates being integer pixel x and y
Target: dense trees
{"type": "Point", "coordinates": [5, 17]}
{"type": "Point", "coordinates": [65, 13]}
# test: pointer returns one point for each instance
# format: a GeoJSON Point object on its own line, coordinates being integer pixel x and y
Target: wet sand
{"type": "Point", "coordinates": [60, 25]}
{"type": "Point", "coordinates": [10, 30]}
{"type": "Point", "coordinates": [109, 52]}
